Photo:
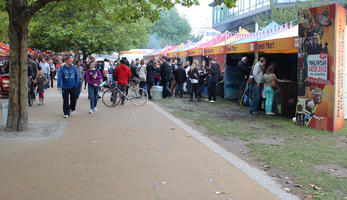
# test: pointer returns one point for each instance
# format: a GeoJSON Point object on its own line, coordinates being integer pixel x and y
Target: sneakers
{"type": "Point", "coordinates": [212, 101]}
{"type": "Point", "coordinates": [270, 113]}
{"type": "Point", "coordinates": [66, 116]}
{"type": "Point", "coordinates": [91, 111]}
{"type": "Point", "coordinates": [73, 112]}
{"type": "Point", "coordinates": [95, 109]}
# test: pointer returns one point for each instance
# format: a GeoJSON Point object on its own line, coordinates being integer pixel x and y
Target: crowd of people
{"type": "Point", "coordinates": [176, 78]}
{"type": "Point", "coordinates": [262, 83]}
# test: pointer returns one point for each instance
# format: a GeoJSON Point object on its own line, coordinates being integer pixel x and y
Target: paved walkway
{"type": "Point", "coordinates": [120, 153]}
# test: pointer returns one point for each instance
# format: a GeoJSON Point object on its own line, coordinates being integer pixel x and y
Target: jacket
{"type": "Point", "coordinates": [123, 72]}
{"type": "Point", "coordinates": [142, 72]}
{"type": "Point", "coordinates": [215, 73]}
{"type": "Point", "coordinates": [257, 73]}
{"type": "Point", "coordinates": [244, 70]}
{"type": "Point", "coordinates": [194, 75]}
{"type": "Point", "coordinates": [180, 75]}
{"type": "Point", "coordinates": [150, 73]}
{"type": "Point", "coordinates": [93, 76]}
{"type": "Point", "coordinates": [68, 77]}
{"type": "Point", "coordinates": [165, 72]}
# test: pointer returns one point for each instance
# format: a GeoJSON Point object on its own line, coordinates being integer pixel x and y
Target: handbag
{"type": "Point", "coordinates": [274, 85]}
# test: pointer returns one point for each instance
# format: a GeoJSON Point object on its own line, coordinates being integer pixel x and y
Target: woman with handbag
{"type": "Point", "coordinates": [270, 85]}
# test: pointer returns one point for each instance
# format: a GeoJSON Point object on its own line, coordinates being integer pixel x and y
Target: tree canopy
{"type": "Point", "coordinates": [170, 29]}
{"type": "Point", "coordinates": [83, 27]}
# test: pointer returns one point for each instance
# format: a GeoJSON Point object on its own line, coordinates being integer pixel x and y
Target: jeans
{"type": "Point", "coordinates": [123, 88]}
{"type": "Point", "coordinates": [69, 93]}
{"type": "Point", "coordinates": [212, 93]}
{"type": "Point", "coordinates": [93, 93]}
{"type": "Point", "coordinates": [149, 87]}
{"type": "Point", "coordinates": [243, 84]}
{"type": "Point", "coordinates": [166, 89]}
{"type": "Point", "coordinates": [179, 88]}
{"type": "Point", "coordinates": [47, 84]}
{"type": "Point", "coordinates": [269, 92]}
{"type": "Point", "coordinates": [194, 89]}
{"type": "Point", "coordinates": [143, 86]}
{"type": "Point", "coordinates": [255, 98]}
{"type": "Point", "coordinates": [79, 88]}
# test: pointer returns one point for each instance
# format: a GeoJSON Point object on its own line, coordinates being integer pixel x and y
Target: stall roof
{"type": "Point", "coordinates": [292, 32]}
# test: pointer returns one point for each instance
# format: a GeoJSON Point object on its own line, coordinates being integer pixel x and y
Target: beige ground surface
{"type": "Point", "coordinates": [117, 153]}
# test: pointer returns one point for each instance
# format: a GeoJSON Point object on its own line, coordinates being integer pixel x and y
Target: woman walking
{"type": "Point", "coordinates": [269, 91]}
{"type": "Point", "coordinates": [94, 77]}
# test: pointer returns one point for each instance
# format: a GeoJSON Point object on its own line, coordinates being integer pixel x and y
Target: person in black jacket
{"type": "Point", "coordinates": [202, 77]}
{"type": "Point", "coordinates": [244, 71]}
{"type": "Point", "coordinates": [166, 76]}
{"type": "Point", "coordinates": [215, 75]}
{"type": "Point", "coordinates": [194, 80]}
{"type": "Point", "coordinates": [151, 67]}
{"type": "Point", "coordinates": [180, 77]}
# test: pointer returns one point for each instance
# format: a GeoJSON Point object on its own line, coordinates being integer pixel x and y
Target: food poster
{"type": "Point", "coordinates": [321, 61]}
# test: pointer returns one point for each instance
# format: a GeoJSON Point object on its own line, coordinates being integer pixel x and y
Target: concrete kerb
{"type": "Point", "coordinates": [258, 175]}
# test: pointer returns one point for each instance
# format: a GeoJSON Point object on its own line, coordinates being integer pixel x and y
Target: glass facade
{"type": "Point", "coordinates": [221, 13]}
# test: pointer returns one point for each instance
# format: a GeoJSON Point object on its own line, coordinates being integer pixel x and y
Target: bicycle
{"type": "Point", "coordinates": [112, 96]}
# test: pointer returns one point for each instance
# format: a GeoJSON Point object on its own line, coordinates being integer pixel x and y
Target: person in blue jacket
{"type": "Point", "coordinates": [68, 80]}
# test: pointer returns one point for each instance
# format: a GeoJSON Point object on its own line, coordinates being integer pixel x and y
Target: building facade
{"type": "Point", "coordinates": [224, 19]}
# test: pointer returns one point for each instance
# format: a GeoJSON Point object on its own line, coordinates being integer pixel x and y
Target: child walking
{"type": "Point", "coordinates": [41, 82]}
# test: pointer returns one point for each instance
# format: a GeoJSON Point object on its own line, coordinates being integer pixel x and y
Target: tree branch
{"type": "Point", "coordinates": [37, 5]}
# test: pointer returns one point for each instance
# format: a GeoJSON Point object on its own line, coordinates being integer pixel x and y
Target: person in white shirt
{"type": "Point", "coordinates": [142, 68]}
{"type": "Point", "coordinates": [46, 69]}
{"type": "Point", "coordinates": [257, 76]}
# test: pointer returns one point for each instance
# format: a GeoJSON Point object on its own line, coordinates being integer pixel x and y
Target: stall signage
{"type": "Point", "coordinates": [265, 45]}
{"type": "Point", "coordinates": [321, 67]}
{"type": "Point", "coordinates": [231, 48]}
{"type": "Point", "coordinates": [317, 67]}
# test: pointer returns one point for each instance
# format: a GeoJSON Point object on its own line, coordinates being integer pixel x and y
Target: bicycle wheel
{"type": "Point", "coordinates": [111, 97]}
{"type": "Point", "coordinates": [139, 97]}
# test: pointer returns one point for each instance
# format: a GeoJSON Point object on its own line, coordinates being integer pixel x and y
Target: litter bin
{"type": "Point", "coordinates": [157, 92]}
{"type": "Point", "coordinates": [5, 112]}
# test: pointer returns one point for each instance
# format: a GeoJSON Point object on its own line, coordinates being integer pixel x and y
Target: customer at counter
{"type": "Point", "coordinates": [269, 91]}
{"type": "Point", "coordinates": [244, 70]}
{"type": "Point", "coordinates": [256, 80]}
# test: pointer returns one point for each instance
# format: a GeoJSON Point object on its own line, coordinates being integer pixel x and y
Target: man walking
{"type": "Point", "coordinates": [244, 70]}
{"type": "Point", "coordinates": [68, 80]}
{"type": "Point", "coordinates": [215, 75]}
{"type": "Point", "coordinates": [257, 75]}
{"type": "Point", "coordinates": [46, 69]}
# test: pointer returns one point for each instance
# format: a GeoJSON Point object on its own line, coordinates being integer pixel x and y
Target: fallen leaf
{"type": "Point", "coordinates": [95, 141]}
{"type": "Point", "coordinates": [164, 183]}
{"type": "Point", "coordinates": [301, 161]}
{"type": "Point", "coordinates": [267, 166]}
{"type": "Point", "coordinates": [221, 192]}
{"type": "Point", "coordinates": [286, 189]}
{"type": "Point", "coordinates": [291, 164]}
{"type": "Point", "coordinates": [189, 135]}
{"type": "Point", "coordinates": [314, 186]}
{"type": "Point", "coordinates": [299, 186]}
{"type": "Point", "coordinates": [172, 129]}
{"type": "Point", "coordinates": [288, 182]}
{"type": "Point", "coordinates": [332, 170]}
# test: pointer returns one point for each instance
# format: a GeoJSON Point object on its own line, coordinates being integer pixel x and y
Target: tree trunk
{"type": "Point", "coordinates": [85, 55]}
{"type": "Point", "coordinates": [17, 119]}
{"type": "Point", "coordinates": [77, 52]}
